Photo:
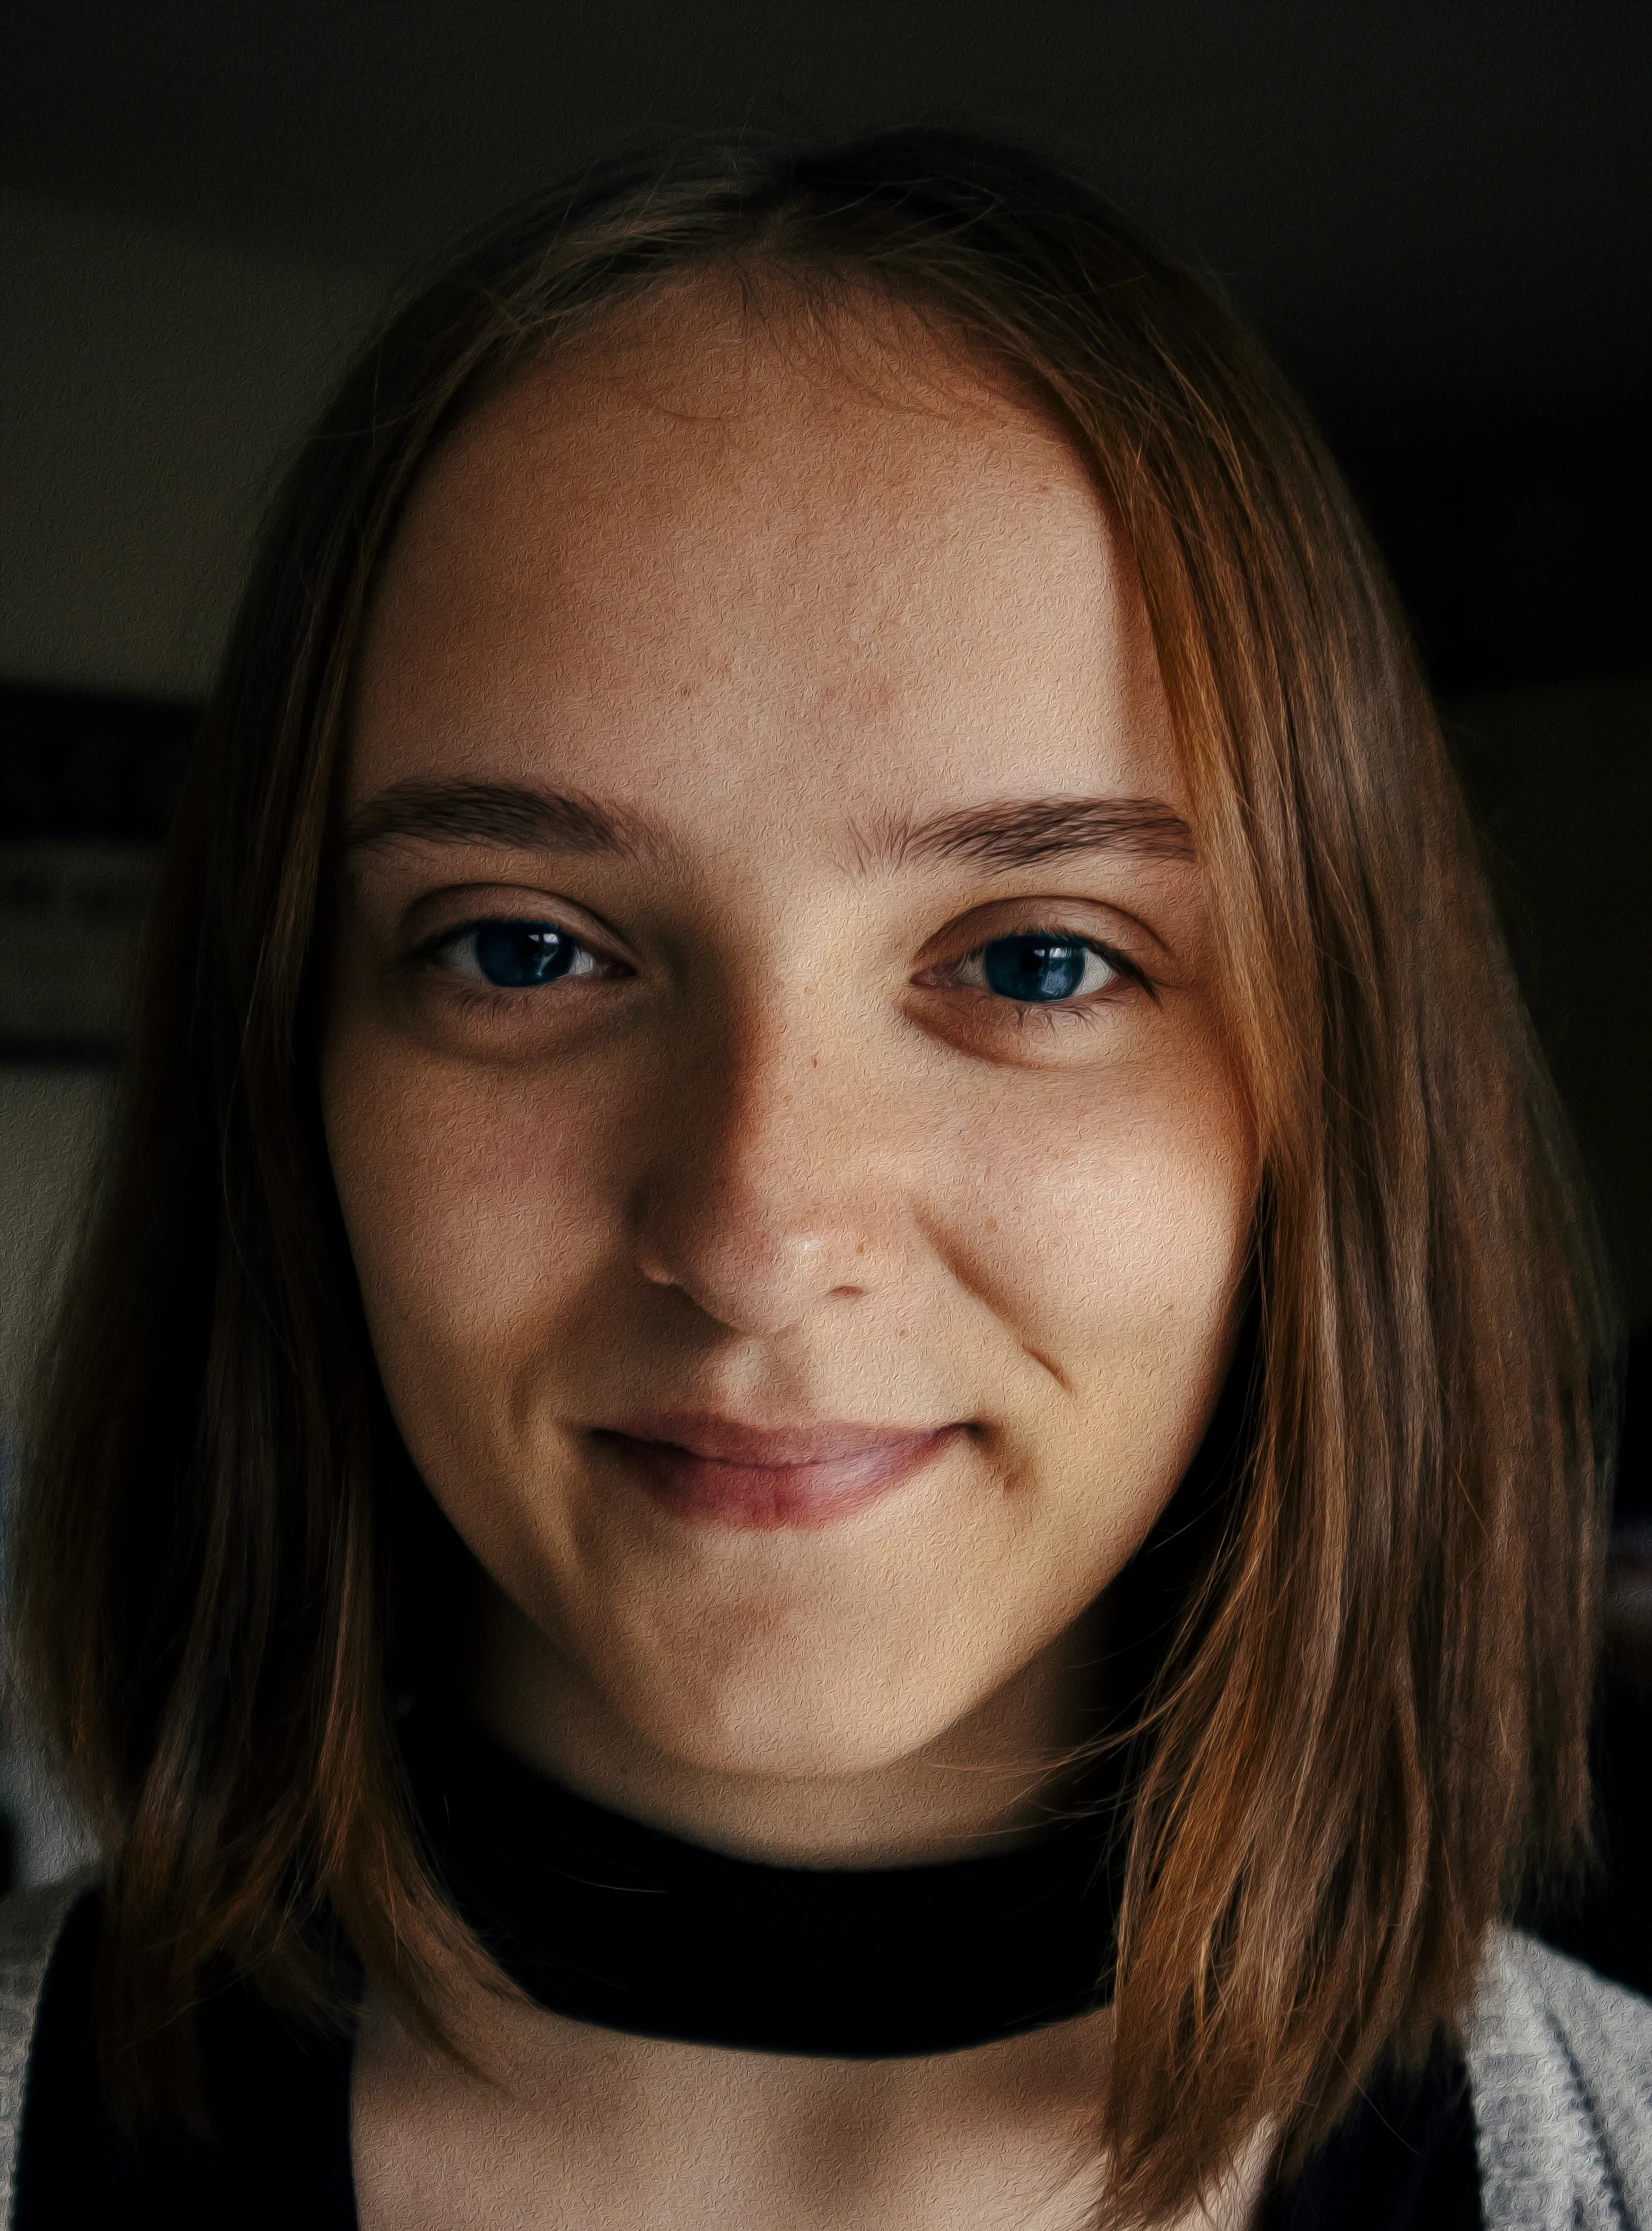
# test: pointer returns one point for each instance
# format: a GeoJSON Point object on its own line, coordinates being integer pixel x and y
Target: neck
{"type": "Point", "coordinates": [986, 1783]}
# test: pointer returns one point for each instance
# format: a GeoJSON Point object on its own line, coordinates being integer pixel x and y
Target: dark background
{"type": "Point", "coordinates": [1439, 214]}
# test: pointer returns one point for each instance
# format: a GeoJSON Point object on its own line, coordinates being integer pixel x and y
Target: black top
{"type": "Point", "coordinates": [279, 2101]}
{"type": "Point", "coordinates": [664, 1938]}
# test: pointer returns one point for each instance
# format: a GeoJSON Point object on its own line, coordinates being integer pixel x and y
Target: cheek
{"type": "Point", "coordinates": [1116, 1252]}
{"type": "Point", "coordinates": [477, 1214]}
{"type": "Point", "coordinates": [1114, 1227]}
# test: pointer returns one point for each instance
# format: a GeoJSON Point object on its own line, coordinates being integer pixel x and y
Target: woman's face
{"type": "Point", "coordinates": [774, 1078]}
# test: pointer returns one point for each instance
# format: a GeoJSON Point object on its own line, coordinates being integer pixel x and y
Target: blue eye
{"type": "Point", "coordinates": [1037, 969]}
{"type": "Point", "coordinates": [516, 956]}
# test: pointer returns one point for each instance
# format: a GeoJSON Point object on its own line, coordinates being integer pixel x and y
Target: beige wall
{"type": "Point", "coordinates": [148, 386]}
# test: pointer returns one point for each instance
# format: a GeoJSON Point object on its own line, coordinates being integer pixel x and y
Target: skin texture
{"type": "Point", "coordinates": [767, 595]}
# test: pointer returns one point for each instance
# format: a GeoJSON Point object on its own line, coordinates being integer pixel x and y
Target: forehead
{"type": "Point", "coordinates": [711, 545]}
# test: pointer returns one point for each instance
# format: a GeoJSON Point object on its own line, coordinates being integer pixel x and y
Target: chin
{"type": "Point", "coordinates": [797, 1717]}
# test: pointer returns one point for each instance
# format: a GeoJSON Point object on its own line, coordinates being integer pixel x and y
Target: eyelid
{"type": "Point", "coordinates": [1084, 918]}
{"type": "Point", "coordinates": [575, 922]}
{"type": "Point", "coordinates": [1035, 922]}
{"type": "Point", "coordinates": [436, 953]}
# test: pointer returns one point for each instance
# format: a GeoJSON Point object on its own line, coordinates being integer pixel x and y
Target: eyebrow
{"type": "Point", "coordinates": [1021, 832]}
{"type": "Point", "coordinates": [503, 813]}
{"type": "Point", "coordinates": [1006, 833]}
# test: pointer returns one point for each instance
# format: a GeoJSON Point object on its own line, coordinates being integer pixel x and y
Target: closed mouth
{"type": "Point", "coordinates": [719, 1472]}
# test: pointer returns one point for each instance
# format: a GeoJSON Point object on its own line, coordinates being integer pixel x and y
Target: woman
{"type": "Point", "coordinates": [830, 1450]}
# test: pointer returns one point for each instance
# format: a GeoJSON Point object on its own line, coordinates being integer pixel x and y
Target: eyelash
{"type": "Point", "coordinates": [1125, 972]}
{"type": "Point", "coordinates": [1052, 1012]}
{"type": "Point", "coordinates": [429, 954]}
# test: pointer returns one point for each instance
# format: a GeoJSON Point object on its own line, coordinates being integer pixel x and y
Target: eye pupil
{"type": "Point", "coordinates": [1033, 968]}
{"type": "Point", "coordinates": [515, 954]}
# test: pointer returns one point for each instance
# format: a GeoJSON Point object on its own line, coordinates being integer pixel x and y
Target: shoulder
{"type": "Point", "coordinates": [31, 1922]}
{"type": "Point", "coordinates": [1560, 2073]}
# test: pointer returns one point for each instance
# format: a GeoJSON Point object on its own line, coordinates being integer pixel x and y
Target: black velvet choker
{"type": "Point", "coordinates": [599, 1917]}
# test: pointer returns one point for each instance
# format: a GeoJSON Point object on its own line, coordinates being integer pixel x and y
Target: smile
{"type": "Point", "coordinates": [713, 1472]}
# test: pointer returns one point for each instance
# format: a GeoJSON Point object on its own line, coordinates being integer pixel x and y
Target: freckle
{"type": "Point", "coordinates": [992, 1223]}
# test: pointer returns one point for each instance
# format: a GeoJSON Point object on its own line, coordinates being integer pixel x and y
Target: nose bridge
{"type": "Point", "coordinates": [759, 1198]}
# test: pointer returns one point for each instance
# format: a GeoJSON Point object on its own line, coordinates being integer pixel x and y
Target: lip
{"type": "Point", "coordinates": [717, 1472]}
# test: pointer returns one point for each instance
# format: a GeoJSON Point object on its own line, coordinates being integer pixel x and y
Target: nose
{"type": "Point", "coordinates": [770, 1188]}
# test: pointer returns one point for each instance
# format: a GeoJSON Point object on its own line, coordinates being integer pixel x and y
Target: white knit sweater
{"type": "Point", "coordinates": [1560, 2076]}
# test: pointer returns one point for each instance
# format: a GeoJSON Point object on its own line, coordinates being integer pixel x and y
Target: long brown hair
{"type": "Point", "coordinates": [1373, 1743]}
